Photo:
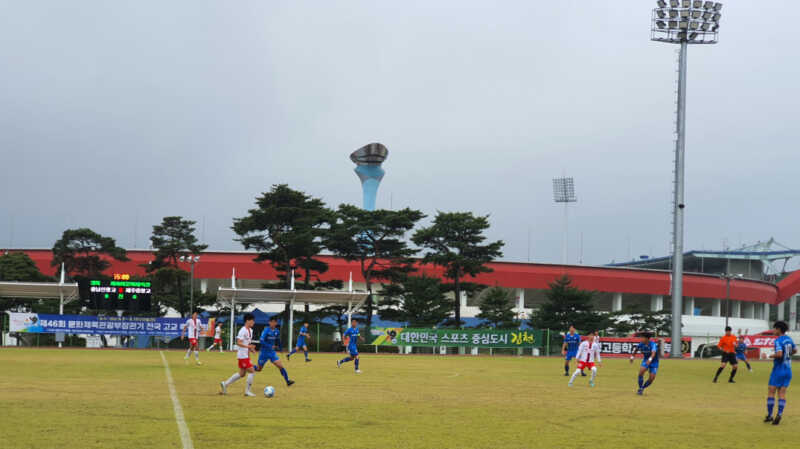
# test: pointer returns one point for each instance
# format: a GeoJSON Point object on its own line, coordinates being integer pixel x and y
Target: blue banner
{"type": "Point", "coordinates": [87, 324]}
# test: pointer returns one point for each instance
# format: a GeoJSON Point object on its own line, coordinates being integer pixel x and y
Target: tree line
{"type": "Point", "coordinates": [290, 229]}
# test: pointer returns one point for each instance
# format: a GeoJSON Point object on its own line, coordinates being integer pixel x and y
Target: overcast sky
{"type": "Point", "coordinates": [116, 114]}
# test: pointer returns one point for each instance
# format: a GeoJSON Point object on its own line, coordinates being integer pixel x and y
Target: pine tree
{"type": "Point", "coordinates": [497, 307]}
{"type": "Point", "coordinates": [567, 305]}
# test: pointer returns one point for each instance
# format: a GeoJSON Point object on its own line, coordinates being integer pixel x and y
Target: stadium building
{"type": "Point", "coordinates": [755, 297]}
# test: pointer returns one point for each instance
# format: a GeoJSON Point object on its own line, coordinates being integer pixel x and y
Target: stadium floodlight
{"type": "Point", "coordinates": [661, 13]}
{"type": "Point", "coordinates": [673, 13]}
{"type": "Point", "coordinates": [674, 3]}
{"type": "Point", "coordinates": [661, 24]}
{"type": "Point", "coordinates": [564, 192]}
{"type": "Point", "coordinates": [678, 33]}
{"type": "Point", "coordinates": [697, 4]}
{"type": "Point", "coordinates": [663, 4]}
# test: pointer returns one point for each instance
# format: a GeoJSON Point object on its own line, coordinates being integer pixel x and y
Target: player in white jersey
{"type": "Point", "coordinates": [193, 327]}
{"type": "Point", "coordinates": [217, 338]}
{"type": "Point", "coordinates": [244, 348]}
{"type": "Point", "coordinates": [588, 355]}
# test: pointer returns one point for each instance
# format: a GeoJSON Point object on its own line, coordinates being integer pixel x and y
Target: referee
{"type": "Point", "coordinates": [728, 346]}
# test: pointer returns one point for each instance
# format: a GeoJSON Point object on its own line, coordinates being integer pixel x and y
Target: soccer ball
{"type": "Point", "coordinates": [269, 391]}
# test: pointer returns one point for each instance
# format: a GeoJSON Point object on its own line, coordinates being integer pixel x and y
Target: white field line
{"type": "Point", "coordinates": [183, 429]}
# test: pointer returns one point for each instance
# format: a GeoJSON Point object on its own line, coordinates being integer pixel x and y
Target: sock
{"type": "Point", "coordinates": [305, 353]}
{"type": "Point", "coordinates": [293, 351]}
{"type": "Point", "coordinates": [197, 355]}
{"type": "Point", "coordinates": [748, 365]}
{"type": "Point", "coordinates": [566, 368]}
{"type": "Point", "coordinates": [781, 405]}
{"type": "Point", "coordinates": [574, 375]}
{"type": "Point", "coordinates": [719, 370]}
{"type": "Point", "coordinates": [250, 381]}
{"type": "Point", "coordinates": [733, 373]}
{"type": "Point", "coordinates": [647, 384]}
{"type": "Point", "coordinates": [189, 351]}
{"type": "Point", "coordinates": [357, 364]}
{"type": "Point", "coordinates": [641, 381]}
{"type": "Point", "coordinates": [594, 373]}
{"type": "Point", "coordinates": [345, 360]}
{"type": "Point", "coordinates": [770, 406]}
{"type": "Point", "coordinates": [232, 379]}
{"type": "Point", "coordinates": [284, 374]}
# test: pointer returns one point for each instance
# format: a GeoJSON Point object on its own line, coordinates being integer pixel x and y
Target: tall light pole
{"type": "Point", "coordinates": [564, 192]}
{"type": "Point", "coordinates": [682, 22]}
{"type": "Point", "coordinates": [191, 260]}
{"type": "Point", "coordinates": [728, 277]}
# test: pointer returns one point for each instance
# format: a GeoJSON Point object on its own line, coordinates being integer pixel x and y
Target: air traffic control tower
{"type": "Point", "coordinates": [368, 160]}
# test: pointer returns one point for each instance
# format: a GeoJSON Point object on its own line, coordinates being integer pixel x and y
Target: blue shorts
{"type": "Point", "coordinates": [652, 368]}
{"type": "Point", "coordinates": [741, 356]}
{"type": "Point", "coordinates": [571, 355]}
{"type": "Point", "coordinates": [264, 357]}
{"type": "Point", "coordinates": [353, 350]}
{"type": "Point", "coordinates": [300, 343]}
{"type": "Point", "coordinates": [780, 379]}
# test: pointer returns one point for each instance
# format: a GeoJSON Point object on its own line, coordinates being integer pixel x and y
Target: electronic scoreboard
{"type": "Point", "coordinates": [121, 293]}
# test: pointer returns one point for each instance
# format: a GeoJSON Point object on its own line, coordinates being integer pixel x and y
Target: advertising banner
{"type": "Point", "coordinates": [484, 338]}
{"type": "Point", "coordinates": [87, 324]}
{"type": "Point", "coordinates": [624, 346]}
{"type": "Point", "coordinates": [760, 341]}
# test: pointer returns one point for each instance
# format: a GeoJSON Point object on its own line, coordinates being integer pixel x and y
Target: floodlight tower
{"type": "Point", "coordinates": [368, 160]}
{"type": "Point", "coordinates": [564, 192]}
{"type": "Point", "coordinates": [682, 22]}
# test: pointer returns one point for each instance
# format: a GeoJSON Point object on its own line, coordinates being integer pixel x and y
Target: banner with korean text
{"type": "Point", "coordinates": [624, 346]}
{"type": "Point", "coordinates": [88, 324]}
{"type": "Point", "coordinates": [484, 338]}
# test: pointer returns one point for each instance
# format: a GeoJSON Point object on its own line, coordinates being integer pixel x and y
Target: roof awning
{"type": "Point", "coordinates": [39, 290]}
{"type": "Point", "coordinates": [265, 295]}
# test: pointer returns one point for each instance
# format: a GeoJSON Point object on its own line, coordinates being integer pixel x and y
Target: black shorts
{"type": "Point", "coordinates": [729, 357]}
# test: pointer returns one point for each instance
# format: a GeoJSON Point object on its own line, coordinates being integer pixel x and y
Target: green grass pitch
{"type": "Point", "coordinates": [120, 399]}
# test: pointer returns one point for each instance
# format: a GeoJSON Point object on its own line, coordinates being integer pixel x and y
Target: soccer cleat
{"type": "Point", "coordinates": [566, 374]}
{"type": "Point", "coordinates": [308, 360]}
{"type": "Point", "coordinates": [249, 393]}
{"type": "Point", "coordinates": [338, 363]}
{"type": "Point", "coordinates": [223, 389]}
{"type": "Point", "coordinates": [715, 381]}
{"type": "Point", "coordinates": [768, 418]}
{"type": "Point", "coordinates": [199, 363]}
{"type": "Point", "coordinates": [583, 374]}
{"type": "Point", "coordinates": [640, 392]}
{"type": "Point", "coordinates": [750, 369]}
{"type": "Point", "coordinates": [288, 356]}
{"type": "Point", "coordinates": [569, 384]}
{"type": "Point", "coordinates": [777, 420]}
{"type": "Point", "coordinates": [289, 383]}
{"type": "Point", "coordinates": [591, 383]}
{"type": "Point", "coordinates": [358, 371]}
{"type": "Point", "coordinates": [731, 381]}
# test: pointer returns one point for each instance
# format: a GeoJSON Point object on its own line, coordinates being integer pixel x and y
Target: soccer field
{"type": "Point", "coordinates": [120, 399]}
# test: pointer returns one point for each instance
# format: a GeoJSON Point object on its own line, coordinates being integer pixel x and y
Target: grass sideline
{"type": "Point", "coordinates": [119, 399]}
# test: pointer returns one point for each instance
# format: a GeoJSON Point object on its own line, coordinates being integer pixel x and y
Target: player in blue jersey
{"type": "Point", "coordinates": [301, 342]}
{"type": "Point", "coordinates": [570, 348]}
{"type": "Point", "coordinates": [353, 336]}
{"type": "Point", "coordinates": [781, 371]}
{"type": "Point", "coordinates": [650, 355]}
{"type": "Point", "coordinates": [741, 347]}
{"type": "Point", "coordinates": [270, 341]}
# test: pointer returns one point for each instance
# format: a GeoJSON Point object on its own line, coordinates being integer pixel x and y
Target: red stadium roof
{"type": "Point", "coordinates": [219, 265]}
